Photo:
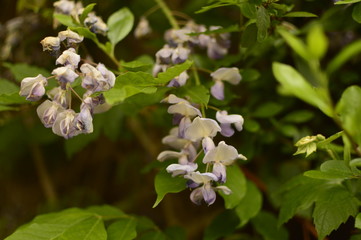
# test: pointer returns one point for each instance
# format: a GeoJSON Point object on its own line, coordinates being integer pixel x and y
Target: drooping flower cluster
{"type": "Point", "coordinates": [194, 132]}
{"type": "Point", "coordinates": [75, 9]}
{"type": "Point", "coordinates": [57, 113]}
{"type": "Point", "coordinates": [180, 45]}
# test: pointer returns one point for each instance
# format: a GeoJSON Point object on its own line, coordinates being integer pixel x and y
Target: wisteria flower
{"type": "Point", "coordinates": [64, 124]}
{"type": "Point", "coordinates": [83, 122]}
{"type": "Point", "coordinates": [61, 96]}
{"type": "Point", "coordinates": [174, 140]}
{"type": "Point", "coordinates": [184, 156]}
{"type": "Point", "coordinates": [143, 28]}
{"type": "Point", "coordinates": [164, 55]}
{"type": "Point", "coordinates": [97, 79]}
{"type": "Point", "coordinates": [226, 120]}
{"type": "Point", "coordinates": [202, 182]}
{"type": "Point", "coordinates": [33, 88]}
{"type": "Point", "coordinates": [71, 37]}
{"type": "Point", "coordinates": [221, 156]}
{"type": "Point", "coordinates": [69, 58]}
{"type": "Point", "coordinates": [230, 75]}
{"type": "Point", "coordinates": [51, 44]}
{"type": "Point", "coordinates": [96, 24]}
{"type": "Point", "coordinates": [48, 111]}
{"type": "Point", "coordinates": [180, 80]}
{"type": "Point", "coordinates": [181, 169]}
{"type": "Point", "coordinates": [180, 54]}
{"type": "Point", "coordinates": [205, 129]}
{"type": "Point", "coordinates": [64, 6]}
{"type": "Point", "coordinates": [65, 74]}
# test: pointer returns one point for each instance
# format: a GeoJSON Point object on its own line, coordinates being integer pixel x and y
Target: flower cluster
{"type": "Point", "coordinates": [57, 112]}
{"type": "Point", "coordinates": [75, 9]}
{"type": "Point", "coordinates": [194, 132]}
{"type": "Point", "coordinates": [180, 44]}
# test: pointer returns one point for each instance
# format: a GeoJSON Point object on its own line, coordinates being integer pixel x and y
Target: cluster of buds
{"type": "Point", "coordinates": [57, 112]}
{"type": "Point", "coordinates": [193, 136]}
{"type": "Point", "coordinates": [75, 9]}
{"type": "Point", "coordinates": [180, 44]}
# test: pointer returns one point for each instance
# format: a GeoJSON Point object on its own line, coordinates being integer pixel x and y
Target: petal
{"type": "Point", "coordinates": [197, 196]}
{"type": "Point", "coordinates": [200, 178]}
{"type": "Point", "coordinates": [227, 130]}
{"type": "Point", "coordinates": [217, 90]}
{"type": "Point", "coordinates": [185, 109]}
{"type": "Point", "coordinates": [209, 194]}
{"type": "Point", "coordinates": [181, 169]}
{"type": "Point", "coordinates": [220, 171]}
{"type": "Point", "coordinates": [223, 117]}
{"type": "Point", "coordinates": [168, 154]}
{"type": "Point", "coordinates": [207, 144]}
{"type": "Point", "coordinates": [201, 128]}
{"type": "Point", "coordinates": [224, 189]}
{"type": "Point", "coordinates": [223, 153]}
{"type": "Point", "coordinates": [230, 75]}
{"type": "Point", "coordinates": [183, 125]}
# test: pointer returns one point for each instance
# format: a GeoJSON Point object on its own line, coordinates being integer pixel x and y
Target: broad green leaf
{"type": "Point", "coordinates": [299, 194]}
{"type": "Point", "coordinates": [346, 53]}
{"type": "Point", "coordinates": [266, 224]}
{"type": "Point", "coordinates": [356, 13]}
{"type": "Point", "coordinates": [86, 11]}
{"type": "Point", "coordinates": [136, 65]}
{"type": "Point", "coordinates": [294, 83]}
{"type": "Point", "coordinates": [175, 233]}
{"type": "Point", "coordinates": [249, 36]}
{"type": "Point", "coordinates": [65, 225]}
{"type": "Point", "coordinates": [317, 41]}
{"type": "Point", "coordinates": [299, 14]}
{"type": "Point", "coordinates": [358, 221]}
{"type": "Point", "coordinates": [106, 212]}
{"type": "Point", "coordinates": [299, 116]}
{"type": "Point", "coordinates": [123, 229]}
{"type": "Point", "coordinates": [129, 84]}
{"type": "Point", "coordinates": [296, 44]}
{"type": "Point", "coordinates": [347, 1]}
{"type": "Point", "coordinates": [66, 20]}
{"type": "Point", "coordinates": [197, 94]}
{"type": "Point", "coordinates": [120, 24]}
{"type": "Point", "coordinates": [251, 125]}
{"type": "Point", "coordinates": [350, 113]}
{"type": "Point", "coordinates": [153, 235]}
{"type": "Point", "coordinates": [248, 10]}
{"type": "Point", "coordinates": [263, 22]}
{"type": "Point", "coordinates": [249, 74]}
{"type": "Point", "coordinates": [267, 110]}
{"type": "Point", "coordinates": [164, 183]}
{"type": "Point", "coordinates": [223, 225]}
{"type": "Point", "coordinates": [7, 87]}
{"type": "Point", "coordinates": [172, 72]}
{"type": "Point", "coordinates": [23, 70]}
{"type": "Point", "coordinates": [13, 98]}
{"type": "Point", "coordinates": [334, 207]}
{"type": "Point", "coordinates": [238, 185]}
{"type": "Point", "coordinates": [8, 108]}
{"type": "Point", "coordinates": [250, 205]}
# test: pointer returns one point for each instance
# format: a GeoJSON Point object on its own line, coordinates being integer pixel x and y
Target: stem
{"type": "Point", "coordinates": [198, 82]}
{"type": "Point", "coordinates": [75, 93]}
{"type": "Point", "coordinates": [167, 13]}
{"type": "Point", "coordinates": [151, 10]}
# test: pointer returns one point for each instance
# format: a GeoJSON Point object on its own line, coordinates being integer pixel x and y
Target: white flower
{"type": "Point", "coordinates": [230, 75]}
{"type": "Point", "coordinates": [50, 44]}
{"type": "Point", "coordinates": [69, 58]}
{"type": "Point", "coordinates": [61, 96]}
{"type": "Point", "coordinates": [96, 24]}
{"type": "Point", "coordinates": [143, 28]}
{"type": "Point", "coordinates": [64, 124]}
{"type": "Point", "coordinates": [64, 6]}
{"type": "Point", "coordinates": [226, 120]}
{"type": "Point", "coordinates": [33, 88]}
{"type": "Point", "coordinates": [48, 111]}
{"type": "Point", "coordinates": [70, 36]}
{"type": "Point", "coordinates": [97, 79]}
{"type": "Point", "coordinates": [181, 169]}
{"type": "Point", "coordinates": [65, 74]}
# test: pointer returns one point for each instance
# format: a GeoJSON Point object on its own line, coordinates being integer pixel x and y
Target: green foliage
{"type": "Point", "coordinates": [124, 229]}
{"type": "Point", "coordinates": [120, 23]}
{"type": "Point", "coordinates": [23, 70]}
{"type": "Point", "coordinates": [223, 225]}
{"type": "Point", "coordinates": [173, 72]}
{"type": "Point", "coordinates": [333, 169]}
{"type": "Point", "coordinates": [265, 224]}
{"type": "Point", "coordinates": [263, 23]}
{"type": "Point", "coordinates": [164, 183]}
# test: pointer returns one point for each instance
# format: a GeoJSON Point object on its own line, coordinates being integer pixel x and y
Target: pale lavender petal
{"type": "Point", "coordinates": [183, 125]}
{"type": "Point", "coordinates": [192, 184]}
{"type": "Point", "coordinates": [227, 130]}
{"type": "Point", "coordinates": [168, 155]}
{"type": "Point", "coordinates": [209, 195]}
{"type": "Point", "coordinates": [224, 189]}
{"type": "Point", "coordinates": [217, 90]}
{"type": "Point", "coordinates": [177, 118]}
{"type": "Point", "coordinates": [220, 171]}
{"type": "Point", "coordinates": [181, 169]}
{"type": "Point", "coordinates": [197, 195]}
{"type": "Point", "coordinates": [207, 144]}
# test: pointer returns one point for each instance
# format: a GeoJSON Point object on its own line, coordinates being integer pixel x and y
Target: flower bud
{"type": "Point", "coordinates": [51, 44]}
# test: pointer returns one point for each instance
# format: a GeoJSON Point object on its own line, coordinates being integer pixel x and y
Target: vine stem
{"type": "Point", "coordinates": [167, 12]}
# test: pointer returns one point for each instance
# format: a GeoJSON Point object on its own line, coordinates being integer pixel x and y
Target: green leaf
{"type": "Point", "coordinates": [296, 44]}
{"type": "Point", "coordinates": [299, 116]}
{"type": "Point", "coordinates": [346, 53]}
{"type": "Point", "coordinates": [7, 87]}
{"type": "Point", "coordinates": [124, 229]}
{"type": "Point", "coordinates": [164, 183]}
{"type": "Point", "coordinates": [333, 169]}
{"type": "Point", "coordinates": [197, 94]}
{"type": "Point", "coordinates": [299, 14]}
{"type": "Point", "coordinates": [106, 212]}
{"type": "Point", "coordinates": [350, 113]}
{"type": "Point", "coordinates": [129, 84]}
{"type": "Point", "coordinates": [221, 3]}
{"type": "Point", "coordinates": [358, 221]}
{"type": "Point", "coordinates": [65, 225]}
{"type": "Point", "coordinates": [8, 108]}
{"type": "Point", "coordinates": [23, 70]}
{"type": "Point", "coordinates": [334, 207]}
{"type": "Point", "coordinates": [153, 235]}
{"type": "Point", "coordinates": [238, 185]}
{"type": "Point", "coordinates": [263, 22]}
{"type": "Point", "coordinates": [249, 74]}
{"type": "Point", "coordinates": [137, 65]}
{"type": "Point", "coordinates": [86, 11]}
{"type": "Point", "coordinates": [317, 41]}
{"type": "Point", "coordinates": [175, 233]}
{"type": "Point", "coordinates": [356, 13]}
{"type": "Point", "coordinates": [299, 194]}
{"type": "Point", "coordinates": [172, 72]}
{"type": "Point", "coordinates": [266, 224]}
{"type": "Point", "coordinates": [223, 225]}
{"type": "Point", "coordinates": [248, 10]}
{"type": "Point", "coordinates": [250, 205]}
{"type": "Point", "coordinates": [120, 24]}
{"type": "Point", "coordinates": [294, 83]}
{"type": "Point", "coordinates": [267, 110]}
{"type": "Point", "coordinates": [66, 20]}
{"type": "Point", "coordinates": [347, 1]}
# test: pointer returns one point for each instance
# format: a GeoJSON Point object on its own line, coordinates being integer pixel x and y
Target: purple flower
{"type": "Point", "coordinates": [72, 38]}
{"type": "Point", "coordinates": [48, 111]}
{"type": "Point", "coordinates": [83, 122]}
{"type": "Point", "coordinates": [181, 169]}
{"type": "Point", "coordinates": [33, 88]}
{"type": "Point", "coordinates": [51, 44]}
{"type": "Point", "coordinates": [97, 79]}
{"type": "Point", "coordinates": [64, 124]}
{"type": "Point", "coordinates": [230, 75]}
{"type": "Point", "coordinates": [69, 58]}
{"type": "Point", "coordinates": [65, 75]}
{"type": "Point", "coordinates": [96, 24]}
{"type": "Point", "coordinates": [61, 96]}
{"type": "Point", "coordinates": [226, 120]}
{"type": "Point", "coordinates": [164, 55]}
{"type": "Point", "coordinates": [180, 54]}
{"type": "Point", "coordinates": [179, 81]}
